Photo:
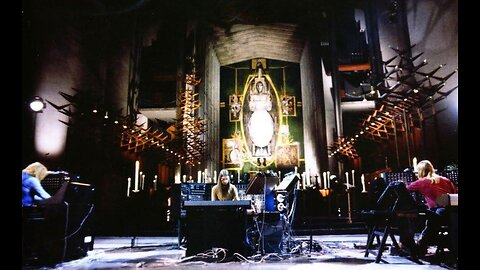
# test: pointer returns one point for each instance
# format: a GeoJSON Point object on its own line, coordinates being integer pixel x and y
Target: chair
{"type": "Point", "coordinates": [394, 206]}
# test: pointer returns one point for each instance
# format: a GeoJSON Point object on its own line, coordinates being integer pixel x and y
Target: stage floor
{"type": "Point", "coordinates": [329, 252]}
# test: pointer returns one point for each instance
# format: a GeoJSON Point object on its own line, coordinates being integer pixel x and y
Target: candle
{"type": "Point", "coordinates": [129, 180]}
{"type": "Point", "coordinates": [328, 179]}
{"type": "Point", "coordinates": [353, 178]}
{"type": "Point", "coordinates": [346, 176]}
{"type": "Point", "coordinates": [296, 169]}
{"type": "Point", "coordinates": [137, 168]}
{"type": "Point", "coordinates": [177, 179]}
{"type": "Point", "coordinates": [143, 181]}
{"type": "Point", "coordinates": [199, 177]}
{"type": "Point", "coordinates": [155, 183]}
{"type": "Point", "coordinates": [303, 180]}
{"type": "Point", "coordinates": [203, 177]}
{"type": "Point", "coordinates": [324, 180]}
{"type": "Point", "coordinates": [184, 178]}
{"type": "Point", "coordinates": [363, 183]}
{"type": "Point", "coordinates": [415, 169]}
{"type": "Point", "coordinates": [279, 175]}
{"type": "Point", "coordinates": [215, 176]}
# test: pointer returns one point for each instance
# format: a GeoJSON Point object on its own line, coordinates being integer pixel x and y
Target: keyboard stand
{"type": "Point", "coordinates": [376, 231]}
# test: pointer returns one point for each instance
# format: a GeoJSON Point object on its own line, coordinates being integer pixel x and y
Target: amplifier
{"type": "Point", "coordinates": [188, 192]}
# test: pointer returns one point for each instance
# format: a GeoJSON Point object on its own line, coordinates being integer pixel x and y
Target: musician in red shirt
{"type": "Point", "coordinates": [431, 186]}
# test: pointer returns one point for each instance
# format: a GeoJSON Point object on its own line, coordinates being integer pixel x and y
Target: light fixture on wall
{"type": "Point", "coordinates": [37, 104]}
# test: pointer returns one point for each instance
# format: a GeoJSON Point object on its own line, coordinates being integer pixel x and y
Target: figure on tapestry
{"type": "Point", "coordinates": [261, 124]}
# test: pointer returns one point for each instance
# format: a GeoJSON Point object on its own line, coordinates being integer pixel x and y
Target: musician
{"type": "Point", "coordinates": [224, 190]}
{"type": "Point", "coordinates": [32, 190]}
{"type": "Point", "coordinates": [431, 186]}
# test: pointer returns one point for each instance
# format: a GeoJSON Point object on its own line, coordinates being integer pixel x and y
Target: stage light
{"type": "Point", "coordinates": [37, 104]}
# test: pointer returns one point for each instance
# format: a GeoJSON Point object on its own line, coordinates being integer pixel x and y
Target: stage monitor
{"type": "Point", "coordinates": [288, 182]}
{"type": "Point", "coordinates": [261, 181]}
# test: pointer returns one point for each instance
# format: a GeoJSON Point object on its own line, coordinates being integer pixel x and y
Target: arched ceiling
{"type": "Point", "coordinates": [246, 29]}
{"type": "Point", "coordinates": [280, 41]}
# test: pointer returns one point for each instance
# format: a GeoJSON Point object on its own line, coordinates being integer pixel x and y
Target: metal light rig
{"type": "Point", "coordinates": [404, 95]}
{"type": "Point", "coordinates": [191, 125]}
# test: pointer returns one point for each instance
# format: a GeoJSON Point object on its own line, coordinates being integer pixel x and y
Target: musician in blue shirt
{"type": "Point", "coordinates": [32, 190]}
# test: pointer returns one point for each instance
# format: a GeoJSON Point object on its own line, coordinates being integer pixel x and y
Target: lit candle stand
{"type": "Point", "coordinates": [324, 180]}
{"type": "Point", "coordinates": [346, 181]}
{"type": "Point", "coordinates": [349, 208]}
{"type": "Point", "coordinates": [349, 200]}
{"type": "Point", "coordinates": [328, 179]}
{"type": "Point", "coordinates": [155, 183]}
{"type": "Point", "coordinates": [324, 192]}
{"type": "Point", "coordinates": [303, 181]}
{"type": "Point", "coordinates": [137, 174]}
{"type": "Point", "coordinates": [364, 190]}
{"type": "Point", "coordinates": [362, 199]}
{"type": "Point", "coordinates": [353, 178]}
{"type": "Point", "coordinates": [129, 180]}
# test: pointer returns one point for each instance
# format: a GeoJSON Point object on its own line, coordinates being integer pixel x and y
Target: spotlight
{"type": "Point", "coordinates": [37, 104]}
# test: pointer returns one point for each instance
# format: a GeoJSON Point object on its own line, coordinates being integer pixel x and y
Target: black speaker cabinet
{"type": "Point", "coordinates": [79, 234]}
{"type": "Point", "coordinates": [56, 233]}
{"type": "Point", "coordinates": [211, 227]}
{"type": "Point", "coordinates": [272, 233]}
{"type": "Point", "coordinates": [43, 235]}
